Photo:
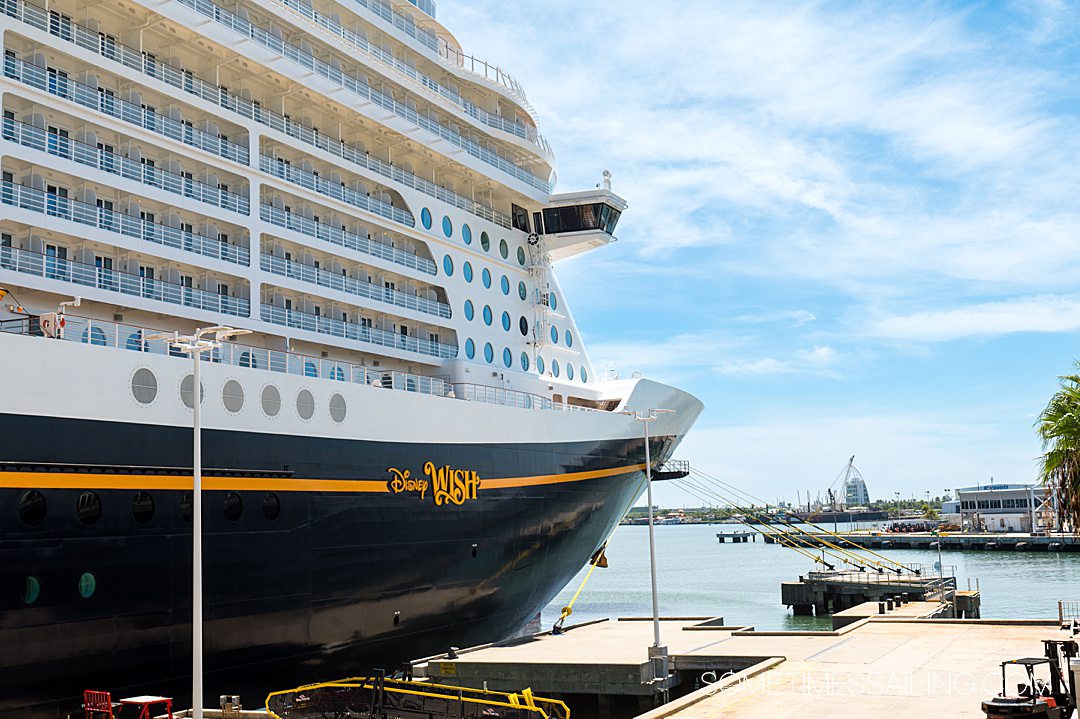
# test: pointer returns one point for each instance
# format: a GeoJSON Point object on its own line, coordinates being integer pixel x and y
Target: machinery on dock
{"type": "Point", "coordinates": [1037, 697]}
{"type": "Point", "coordinates": [384, 698]}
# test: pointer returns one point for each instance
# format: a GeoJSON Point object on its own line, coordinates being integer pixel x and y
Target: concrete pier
{"type": "Point", "coordinates": [984, 541]}
{"type": "Point", "coordinates": [823, 593]}
{"type": "Point", "coordinates": [736, 537]}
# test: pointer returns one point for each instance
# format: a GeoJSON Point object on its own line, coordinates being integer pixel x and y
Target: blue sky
{"type": "Point", "coordinates": [853, 228]}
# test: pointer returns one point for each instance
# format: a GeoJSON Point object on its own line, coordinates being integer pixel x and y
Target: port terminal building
{"type": "Point", "coordinates": [1001, 507]}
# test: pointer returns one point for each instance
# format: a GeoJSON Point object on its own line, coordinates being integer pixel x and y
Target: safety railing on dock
{"type": "Point", "coordinates": [1069, 612]}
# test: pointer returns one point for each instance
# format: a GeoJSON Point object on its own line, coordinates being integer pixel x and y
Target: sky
{"type": "Point", "coordinates": [853, 227]}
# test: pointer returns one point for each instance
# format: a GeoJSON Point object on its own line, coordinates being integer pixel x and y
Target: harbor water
{"type": "Point", "coordinates": [698, 576]}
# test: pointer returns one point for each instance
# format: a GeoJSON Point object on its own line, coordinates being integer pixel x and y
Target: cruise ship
{"type": "Point", "coordinates": [408, 450]}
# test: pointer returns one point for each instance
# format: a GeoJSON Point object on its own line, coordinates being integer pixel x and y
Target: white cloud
{"type": "Point", "coordinates": [1026, 314]}
{"type": "Point", "coordinates": [816, 361]}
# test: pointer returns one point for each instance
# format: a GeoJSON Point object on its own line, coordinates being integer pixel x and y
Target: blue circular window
{"type": "Point", "coordinates": [569, 371]}
{"type": "Point", "coordinates": [470, 348]}
{"type": "Point", "coordinates": [447, 226]}
{"type": "Point", "coordinates": [468, 310]}
{"type": "Point", "coordinates": [466, 271]}
{"type": "Point", "coordinates": [555, 367]}
{"type": "Point", "coordinates": [489, 352]}
{"type": "Point", "coordinates": [584, 374]}
{"type": "Point", "coordinates": [508, 357]}
{"type": "Point", "coordinates": [504, 249]}
{"type": "Point", "coordinates": [31, 590]}
{"type": "Point", "coordinates": [504, 283]}
{"type": "Point", "coordinates": [569, 339]}
{"type": "Point", "coordinates": [506, 321]}
{"type": "Point", "coordinates": [523, 325]}
{"type": "Point", "coordinates": [554, 335]}
{"type": "Point", "coordinates": [521, 256]}
{"type": "Point", "coordinates": [425, 218]}
{"type": "Point", "coordinates": [554, 302]}
{"type": "Point", "coordinates": [448, 266]}
{"type": "Point", "coordinates": [466, 234]}
{"type": "Point", "coordinates": [521, 291]}
{"type": "Point", "coordinates": [524, 362]}
{"type": "Point", "coordinates": [87, 585]}
{"type": "Point", "coordinates": [539, 364]}
{"type": "Point", "coordinates": [485, 241]}
{"type": "Point", "coordinates": [486, 277]}
{"type": "Point", "coordinates": [487, 315]}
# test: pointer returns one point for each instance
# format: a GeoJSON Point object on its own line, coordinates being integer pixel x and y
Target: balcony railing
{"type": "Point", "coordinates": [334, 235]}
{"type": "Point", "coordinates": [362, 90]}
{"type": "Point", "coordinates": [492, 73]}
{"type": "Point", "coordinates": [98, 158]}
{"type": "Point", "coordinates": [358, 333]}
{"type": "Point", "coordinates": [351, 285]}
{"type": "Point", "coordinates": [65, 270]}
{"type": "Point", "coordinates": [56, 205]}
{"type": "Point", "coordinates": [59, 84]}
{"type": "Point", "coordinates": [340, 192]}
{"type": "Point", "coordinates": [511, 398]}
{"type": "Point", "coordinates": [184, 80]}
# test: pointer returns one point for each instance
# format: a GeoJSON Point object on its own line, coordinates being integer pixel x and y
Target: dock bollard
{"type": "Point", "coordinates": [888, 603]}
{"type": "Point", "coordinates": [881, 607]}
{"type": "Point", "coordinates": [898, 600]}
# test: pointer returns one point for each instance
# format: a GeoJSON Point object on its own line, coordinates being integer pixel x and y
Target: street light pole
{"type": "Point", "coordinates": [196, 345]}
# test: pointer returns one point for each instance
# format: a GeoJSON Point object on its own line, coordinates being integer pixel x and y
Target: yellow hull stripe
{"type": "Point", "coordinates": [89, 480]}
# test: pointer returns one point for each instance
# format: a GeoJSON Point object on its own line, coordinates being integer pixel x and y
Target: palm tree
{"type": "Point", "coordinates": [1059, 428]}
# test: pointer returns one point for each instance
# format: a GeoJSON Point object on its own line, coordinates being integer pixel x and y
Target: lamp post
{"type": "Point", "coordinates": [658, 652]}
{"type": "Point", "coordinates": [195, 344]}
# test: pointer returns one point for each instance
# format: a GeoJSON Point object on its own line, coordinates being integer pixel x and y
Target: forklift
{"type": "Point", "coordinates": [1038, 698]}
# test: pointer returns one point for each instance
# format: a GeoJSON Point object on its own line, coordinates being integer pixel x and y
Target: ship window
{"type": "Point", "coordinates": [425, 218]}
{"type": "Point", "coordinates": [504, 249]}
{"type": "Point", "coordinates": [521, 256]}
{"type": "Point", "coordinates": [232, 396]}
{"type": "Point", "coordinates": [485, 241]}
{"type": "Point", "coordinates": [506, 321]}
{"type": "Point", "coordinates": [524, 362]}
{"type": "Point", "coordinates": [87, 585]}
{"type": "Point", "coordinates": [504, 283]}
{"type": "Point", "coordinates": [305, 404]}
{"type": "Point", "coordinates": [508, 357]}
{"type": "Point", "coordinates": [466, 271]}
{"type": "Point", "coordinates": [569, 371]}
{"type": "Point", "coordinates": [142, 507]}
{"type": "Point", "coordinates": [234, 506]}
{"type": "Point", "coordinates": [554, 335]}
{"type": "Point", "coordinates": [448, 266]}
{"type": "Point", "coordinates": [31, 590]}
{"type": "Point", "coordinates": [337, 408]}
{"type": "Point", "coordinates": [521, 291]}
{"type": "Point", "coordinates": [470, 348]}
{"type": "Point", "coordinates": [553, 301]}
{"type": "Point", "coordinates": [144, 386]}
{"type": "Point", "coordinates": [135, 342]}
{"type": "Point", "coordinates": [310, 370]}
{"type": "Point", "coordinates": [94, 336]}
{"type": "Point", "coordinates": [469, 312]}
{"type": "Point", "coordinates": [187, 391]}
{"type": "Point", "coordinates": [271, 400]}
{"type": "Point", "coordinates": [487, 315]}
{"type": "Point", "coordinates": [569, 339]}
{"type": "Point", "coordinates": [185, 506]}
{"type": "Point", "coordinates": [447, 226]}
{"type": "Point", "coordinates": [466, 234]}
{"type": "Point", "coordinates": [489, 352]}
{"type": "Point", "coordinates": [486, 277]}
{"type": "Point", "coordinates": [32, 508]}
{"type": "Point", "coordinates": [555, 367]}
{"type": "Point", "coordinates": [271, 506]}
{"type": "Point", "coordinates": [520, 218]}
{"type": "Point", "coordinates": [584, 374]}
{"type": "Point", "coordinates": [248, 360]}
{"type": "Point", "coordinates": [577, 218]}
{"type": "Point", "coordinates": [540, 364]}
{"type": "Point", "coordinates": [88, 507]}
{"type": "Point", "coordinates": [523, 325]}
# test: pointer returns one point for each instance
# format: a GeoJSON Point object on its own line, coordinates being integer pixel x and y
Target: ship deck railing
{"type": "Point", "coordinates": [115, 335]}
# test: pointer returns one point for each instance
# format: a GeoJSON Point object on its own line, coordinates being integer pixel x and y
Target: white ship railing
{"type": "Point", "coordinates": [65, 270]}
{"type": "Point", "coordinates": [185, 80]}
{"type": "Point", "coordinates": [356, 332]}
{"type": "Point", "coordinates": [313, 182]}
{"type": "Point", "coordinates": [362, 90]}
{"type": "Point", "coordinates": [353, 241]}
{"type": "Point", "coordinates": [351, 285]}
{"type": "Point", "coordinates": [105, 102]}
{"type": "Point", "coordinates": [70, 149]}
{"type": "Point", "coordinates": [511, 398]}
{"type": "Point", "coordinates": [65, 208]}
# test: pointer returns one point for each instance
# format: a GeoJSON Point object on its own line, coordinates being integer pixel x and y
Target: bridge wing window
{"type": "Point", "coordinates": [577, 218]}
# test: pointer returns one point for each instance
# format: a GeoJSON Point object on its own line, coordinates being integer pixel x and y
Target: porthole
{"type": "Point", "coordinates": [504, 283]}
{"type": "Point", "coordinates": [521, 291]}
{"type": "Point", "coordinates": [554, 335]}
{"type": "Point", "coordinates": [425, 218]}
{"type": "Point", "coordinates": [187, 393]}
{"type": "Point", "coordinates": [144, 386]}
{"type": "Point", "coordinates": [521, 256]}
{"type": "Point", "coordinates": [337, 408]}
{"type": "Point", "coordinates": [584, 374]}
{"type": "Point", "coordinates": [469, 311]}
{"type": "Point", "coordinates": [555, 367]}
{"type": "Point", "coordinates": [489, 352]}
{"type": "Point", "coordinates": [87, 585]}
{"type": "Point", "coordinates": [540, 364]}
{"type": "Point", "coordinates": [524, 362]}
{"type": "Point", "coordinates": [88, 507]}
{"type": "Point", "coordinates": [232, 396]}
{"type": "Point", "coordinates": [506, 321]}
{"type": "Point", "coordinates": [523, 325]}
{"type": "Point", "coordinates": [485, 241]}
{"type": "Point", "coordinates": [554, 301]}
{"type": "Point", "coordinates": [569, 339]}
{"type": "Point", "coordinates": [142, 507]}
{"type": "Point", "coordinates": [470, 348]}
{"type": "Point", "coordinates": [466, 271]}
{"type": "Point", "coordinates": [447, 226]}
{"type": "Point", "coordinates": [466, 234]}
{"type": "Point", "coordinates": [569, 371]}
{"type": "Point", "coordinates": [504, 249]}
{"type": "Point", "coordinates": [487, 315]}
{"type": "Point", "coordinates": [508, 357]}
{"type": "Point", "coordinates": [271, 506]}
{"type": "Point", "coordinates": [448, 266]}
{"type": "Point", "coordinates": [32, 508]}
{"type": "Point", "coordinates": [271, 400]}
{"type": "Point", "coordinates": [486, 277]}
{"type": "Point", "coordinates": [305, 404]}
{"type": "Point", "coordinates": [31, 590]}
{"type": "Point", "coordinates": [233, 507]}
{"type": "Point", "coordinates": [185, 506]}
